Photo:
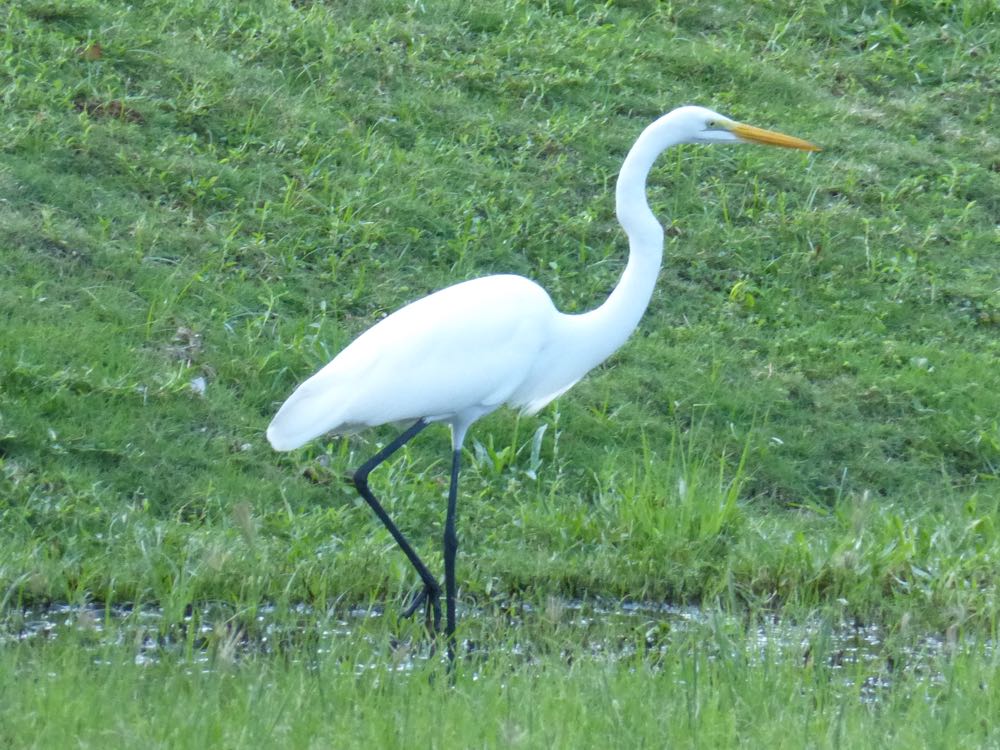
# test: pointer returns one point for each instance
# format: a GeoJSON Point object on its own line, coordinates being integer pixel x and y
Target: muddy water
{"type": "Point", "coordinates": [586, 629]}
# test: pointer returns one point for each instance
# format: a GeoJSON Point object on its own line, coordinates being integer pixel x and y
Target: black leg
{"type": "Point", "coordinates": [432, 590]}
{"type": "Point", "coordinates": [450, 549]}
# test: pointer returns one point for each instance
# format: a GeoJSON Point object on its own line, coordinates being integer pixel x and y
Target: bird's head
{"type": "Point", "coordinates": [701, 125]}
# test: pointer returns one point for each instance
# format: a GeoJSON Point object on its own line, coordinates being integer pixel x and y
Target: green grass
{"type": "Point", "coordinates": [704, 685]}
{"type": "Point", "coordinates": [805, 423]}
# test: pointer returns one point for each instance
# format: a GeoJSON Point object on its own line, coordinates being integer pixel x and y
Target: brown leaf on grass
{"type": "Point", "coordinates": [90, 52]}
{"type": "Point", "coordinates": [185, 346]}
{"type": "Point", "coordinates": [114, 108]}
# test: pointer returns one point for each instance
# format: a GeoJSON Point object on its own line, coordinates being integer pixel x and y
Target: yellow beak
{"type": "Point", "coordinates": [770, 138]}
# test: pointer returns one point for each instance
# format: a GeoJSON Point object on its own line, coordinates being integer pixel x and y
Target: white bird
{"type": "Point", "coordinates": [462, 352]}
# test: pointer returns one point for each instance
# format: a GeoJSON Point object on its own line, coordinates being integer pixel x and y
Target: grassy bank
{"type": "Point", "coordinates": [202, 202]}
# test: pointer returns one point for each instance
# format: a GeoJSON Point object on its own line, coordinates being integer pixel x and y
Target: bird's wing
{"type": "Point", "coordinates": [461, 351]}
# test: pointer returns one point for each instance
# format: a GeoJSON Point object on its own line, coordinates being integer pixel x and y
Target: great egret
{"type": "Point", "coordinates": [466, 350]}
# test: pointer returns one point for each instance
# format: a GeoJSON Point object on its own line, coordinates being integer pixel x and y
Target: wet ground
{"type": "Point", "coordinates": [576, 629]}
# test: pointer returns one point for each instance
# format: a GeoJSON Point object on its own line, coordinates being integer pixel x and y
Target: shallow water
{"type": "Point", "coordinates": [591, 629]}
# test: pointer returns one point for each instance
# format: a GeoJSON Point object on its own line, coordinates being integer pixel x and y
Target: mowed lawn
{"type": "Point", "coordinates": [202, 202]}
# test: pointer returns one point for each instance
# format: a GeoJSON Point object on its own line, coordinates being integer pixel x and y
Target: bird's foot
{"type": "Point", "coordinates": [431, 596]}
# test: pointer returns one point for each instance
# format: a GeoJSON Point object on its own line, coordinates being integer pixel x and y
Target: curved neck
{"type": "Point", "coordinates": [608, 326]}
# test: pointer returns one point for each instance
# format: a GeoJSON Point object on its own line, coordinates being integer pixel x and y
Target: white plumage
{"type": "Point", "coordinates": [481, 343]}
